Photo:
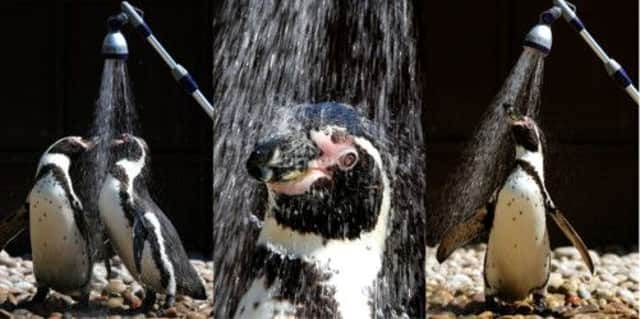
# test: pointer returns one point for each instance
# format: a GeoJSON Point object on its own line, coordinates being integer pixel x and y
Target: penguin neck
{"type": "Point", "coordinates": [60, 160]}
{"type": "Point", "coordinates": [534, 158]}
{"type": "Point", "coordinates": [133, 167]}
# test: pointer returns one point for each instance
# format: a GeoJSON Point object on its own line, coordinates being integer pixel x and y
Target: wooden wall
{"type": "Point", "coordinates": [466, 50]}
{"type": "Point", "coordinates": [52, 68]}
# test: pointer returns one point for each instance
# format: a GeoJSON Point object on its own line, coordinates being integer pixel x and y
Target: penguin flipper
{"type": "Point", "coordinates": [13, 224]}
{"type": "Point", "coordinates": [573, 236]}
{"type": "Point", "coordinates": [462, 233]}
{"type": "Point", "coordinates": [140, 234]}
{"type": "Point", "coordinates": [80, 219]}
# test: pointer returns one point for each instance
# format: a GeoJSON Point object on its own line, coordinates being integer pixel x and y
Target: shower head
{"type": "Point", "coordinates": [114, 45]}
{"type": "Point", "coordinates": [540, 36]}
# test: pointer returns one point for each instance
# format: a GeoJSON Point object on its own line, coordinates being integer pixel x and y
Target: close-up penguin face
{"type": "Point", "coordinates": [326, 176]}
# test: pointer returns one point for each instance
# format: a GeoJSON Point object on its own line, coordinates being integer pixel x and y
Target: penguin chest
{"type": "Point", "coordinates": [59, 252]}
{"type": "Point", "coordinates": [119, 227]}
{"type": "Point", "coordinates": [307, 276]}
{"type": "Point", "coordinates": [517, 259]}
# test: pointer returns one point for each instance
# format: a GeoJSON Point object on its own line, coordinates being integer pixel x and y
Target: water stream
{"type": "Point", "coordinates": [114, 114]}
{"type": "Point", "coordinates": [488, 155]}
{"type": "Point", "coordinates": [273, 54]}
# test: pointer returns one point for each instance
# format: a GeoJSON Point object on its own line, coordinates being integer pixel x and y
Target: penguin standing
{"type": "Point", "coordinates": [141, 234]}
{"type": "Point", "coordinates": [517, 260]}
{"type": "Point", "coordinates": [320, 250]}
{"type": "Point", "coordinates": [60, 238]}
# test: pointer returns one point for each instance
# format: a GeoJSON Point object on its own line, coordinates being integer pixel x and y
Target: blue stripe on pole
{"type": "Point", "coordinates": [548, 17]}
{"type": "Point", "coordinates": [188, 84]}
{"type": "Point", "coordinates": [622, 78]}
{"type": "Point", "coordinates": [536, 46]}
{"type": "Point", "coordinates": [577, 24]}
{"type": "Point", "coordinates": [115, 56]}
{"type": "Point", "coordinates": [144, 30]}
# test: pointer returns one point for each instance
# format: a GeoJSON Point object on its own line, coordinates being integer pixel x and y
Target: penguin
{"type": "Point", "coordinates": [320, 250]}
{"type": "Point", "coordinates": [138, 229]}
{"type": "Point", "coordinates": [60, 238]}
{"type": "Point", "coordinates": [517, 260]}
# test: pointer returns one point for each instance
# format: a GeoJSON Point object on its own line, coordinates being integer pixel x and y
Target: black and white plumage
{"type": "Point", "coordinates": [321, 246]}
{"type": "Point", "coordinates": [60, 238]}
{"type": "Point", "coordinates": [139, 231]}
{"type": "Point", "coordinates": [517, 261]}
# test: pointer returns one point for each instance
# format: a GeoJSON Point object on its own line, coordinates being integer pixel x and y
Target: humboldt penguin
{"type": "Point", "coordinates": [60, 238]}
{"type": "Point", "coordinates": [320, 249]}
{"type": "Point", "coordinates": [139, 231]}
{"type": "Point", "coordinates": [517, 260]}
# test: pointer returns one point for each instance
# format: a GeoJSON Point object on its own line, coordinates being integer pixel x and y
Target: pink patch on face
{"type": "Point", "coordinates": [338, 150]}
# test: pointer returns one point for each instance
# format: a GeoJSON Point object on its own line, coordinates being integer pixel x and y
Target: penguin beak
{"type": "Point", "coordinates": [512, 113]}
{"type": "Point", "coordinates": [86, 144]}
{"type": "Point", "coordinates": [522, 122]}
{"type": "Point", "coordinates": [116, 142]}
{"type": "Point", "coordinates": [281, 159]}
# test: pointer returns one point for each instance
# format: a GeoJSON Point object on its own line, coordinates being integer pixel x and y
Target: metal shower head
{"type": "Point", "coordinates": [540, 36]}
{"type": "Point", "coordinates": [114, 45]}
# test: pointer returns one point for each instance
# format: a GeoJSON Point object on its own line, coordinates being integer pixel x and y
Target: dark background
{"type": "Point", "coordinates": [52, 67]}
{"type": "Point", "coordinates": [466, 50]}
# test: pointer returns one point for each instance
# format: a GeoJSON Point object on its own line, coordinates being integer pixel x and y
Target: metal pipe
{"type": "Point", "coordinates": [180, 74]}
{"type": "Point", "coordinates": [613, 68]}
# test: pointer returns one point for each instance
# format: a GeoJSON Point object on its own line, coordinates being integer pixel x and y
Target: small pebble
{"type": "Point", "coordinates": [584, 293]}
{"type": "Point", "coordinates": [115, 302]}
{"type": "Point", "coordinates": [626, 295]}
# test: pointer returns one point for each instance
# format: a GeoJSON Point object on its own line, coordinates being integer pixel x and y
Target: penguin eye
{"type": "Point", "coordinates": [348, 160]}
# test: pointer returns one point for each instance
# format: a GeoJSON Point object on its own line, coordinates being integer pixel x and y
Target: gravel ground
{"type": "Point", "coordinates": [455, 288]}
{"type": "Point", "coordinates": [114, 298]}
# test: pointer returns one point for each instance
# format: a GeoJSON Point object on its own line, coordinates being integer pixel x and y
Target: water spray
{"type": "Point", "coordinates": [115, 46]}
{"type": "Point", "coordinates": [613, 68]}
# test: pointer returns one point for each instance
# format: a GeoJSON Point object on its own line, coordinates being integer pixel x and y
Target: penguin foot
{"type": "Point", "coordinates": [539, 304]}
{"type": "Point", "coordinates": [40, 295]}
{"type": "Point", "coordinates": [169, 301]}
{"type": "Point", "coordinates": [83, 302]}
{"type": "Point", "coordinates": [491, 303]}
{"type": "Point", "coordinates": [149, 300]}
{"type": "Point", "coordinates": [38, 298]}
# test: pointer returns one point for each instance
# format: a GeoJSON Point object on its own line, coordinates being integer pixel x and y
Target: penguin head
{"type": "Point", "coordinates": [526, 134]}
{"type": "Point", "coordinates": [70, 146]}
{"type": "Point", "coordinates": [326, 172]}
{"type": "Point", "coordinates": [129, 147]}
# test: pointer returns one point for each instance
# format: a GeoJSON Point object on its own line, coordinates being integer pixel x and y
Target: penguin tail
{"type": "Point", "coordinates": [195, 289]}
{"type": "Point", "coordinates": [200, 293]}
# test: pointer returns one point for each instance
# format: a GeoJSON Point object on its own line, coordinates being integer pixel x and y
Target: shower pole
{"type": "Point", "coordinates": [179, 73]}
{"type": "Point", "coordinates": [613, 68]}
